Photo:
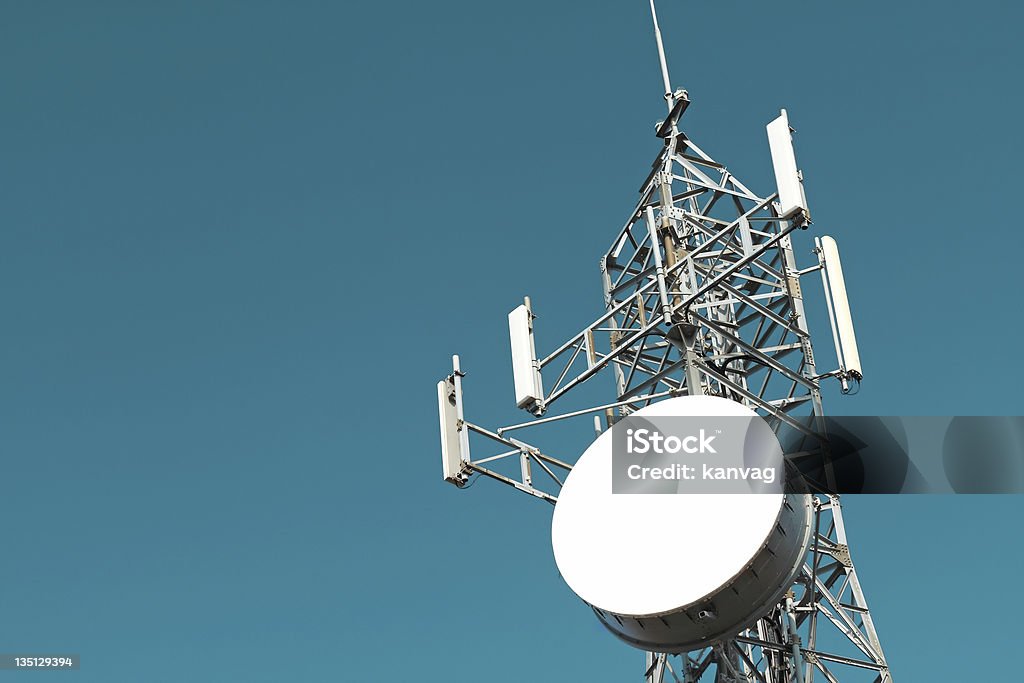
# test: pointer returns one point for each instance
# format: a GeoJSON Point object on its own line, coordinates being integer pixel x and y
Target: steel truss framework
{"type": "Point", "coordinates": [703, 296]}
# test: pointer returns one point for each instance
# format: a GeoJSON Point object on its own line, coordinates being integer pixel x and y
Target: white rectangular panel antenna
{"type": "Point", "coordinates": [525, 367]}
{"type": "Point", "coordinates": [839, 307]}
{"type": "Point", "coordinates": [454, 440]}
{"type": "Point", "coordinates": [787, 176]}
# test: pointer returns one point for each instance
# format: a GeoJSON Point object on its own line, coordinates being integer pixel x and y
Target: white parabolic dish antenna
{"type": "Point", "coordinates": [671, 573]}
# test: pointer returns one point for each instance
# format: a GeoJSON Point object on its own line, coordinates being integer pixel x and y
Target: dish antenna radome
{"type": "Point", "coordinates": [751, 546]}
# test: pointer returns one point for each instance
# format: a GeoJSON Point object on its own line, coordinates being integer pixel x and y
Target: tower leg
{"type": "Point", "coordinates": [655, 667]}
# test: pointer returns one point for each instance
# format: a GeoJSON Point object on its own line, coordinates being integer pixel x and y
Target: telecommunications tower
{"type": "Point", "coordinates": [703, 298]}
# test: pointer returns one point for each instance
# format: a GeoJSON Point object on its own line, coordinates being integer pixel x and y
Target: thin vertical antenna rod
{"type": "Point", "coordinates": [661, 56]}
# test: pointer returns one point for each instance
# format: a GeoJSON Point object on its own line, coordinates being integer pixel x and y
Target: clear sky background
{"type": "Point", "coordinates": [240, 240]}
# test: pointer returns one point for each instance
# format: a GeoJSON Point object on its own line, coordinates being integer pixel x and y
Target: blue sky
{"type": "Point", "coordinates": [241, 240]}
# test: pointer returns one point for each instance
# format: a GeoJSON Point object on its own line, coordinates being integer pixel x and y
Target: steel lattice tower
{"type": "Point", "coordinates": [702, 294]}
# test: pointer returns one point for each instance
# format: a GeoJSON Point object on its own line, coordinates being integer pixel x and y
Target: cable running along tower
{"type": "Point", "coordinates": [703, 296]}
